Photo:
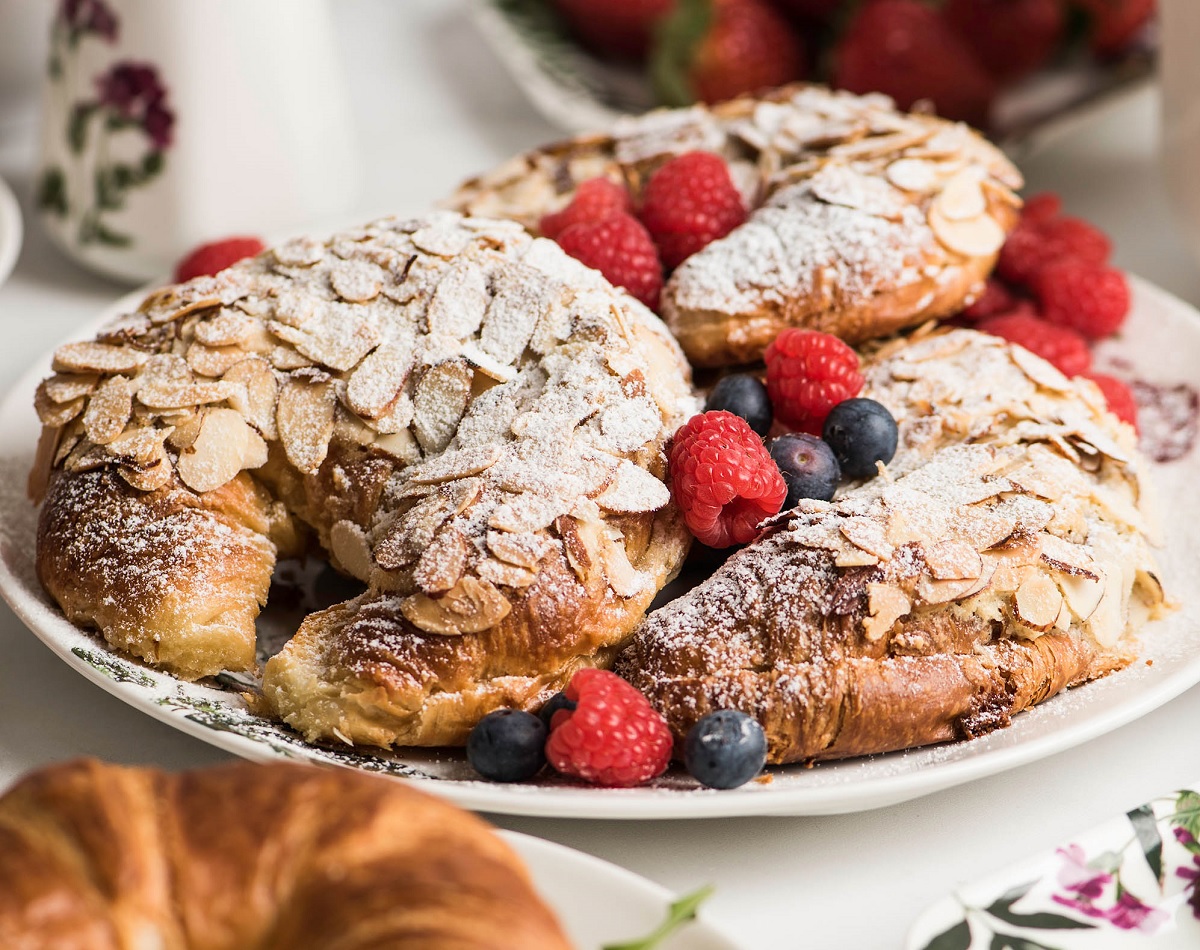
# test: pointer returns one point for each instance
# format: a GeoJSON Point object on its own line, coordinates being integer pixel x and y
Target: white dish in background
{"type": "Point", "coordinates": [1067, 898]}
{"type": "Point", "coordinates": [1161, 343]}
{"type": "Point", "coordinates": [599, 903]}
{"type": "Point", "coordinates": [10, 231]}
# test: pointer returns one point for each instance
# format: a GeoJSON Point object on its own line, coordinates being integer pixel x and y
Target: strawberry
{"type": "Point", "coordinates": [1116, 23]}
{"type": "Point", "coordinates": [1010, 38]}
{"type": "Point", "coordinates": [621, 29]}
{"type": "Point", "coordinates": [212, 258]}
{"type": "Point", "coordinates": [712, 50]}
{"type": "Point", "coordinates": [907, 50]}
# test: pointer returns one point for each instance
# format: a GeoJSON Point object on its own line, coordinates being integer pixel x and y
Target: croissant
{"type": "Point", "coordinates": [252, 857]}
{"type": "Point", "coordinates": [1001, 557]}
{"type": "Point", "coordinates": [469, 422]}
{"type": "Point", "coordinates": [863, 220]}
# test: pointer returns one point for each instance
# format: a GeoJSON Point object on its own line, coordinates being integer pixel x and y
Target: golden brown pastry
{"type": "Point", "coordinates": [254, 857]}
{"type": "Point", "coordinates": [863, 220]}
{"type": "Point", "coordinates": [467, 420]}
{"type": "Point", "coordinates": [1001, 557]}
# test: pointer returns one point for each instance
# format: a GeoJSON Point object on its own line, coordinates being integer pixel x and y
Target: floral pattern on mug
{"type": "Point", "coordinates": [130, 99]}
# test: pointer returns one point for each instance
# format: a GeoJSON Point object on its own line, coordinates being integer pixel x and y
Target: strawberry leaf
{"type": "Point", "coordinates": [675, 46]}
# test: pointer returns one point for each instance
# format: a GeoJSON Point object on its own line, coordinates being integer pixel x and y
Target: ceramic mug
{"type": "Point", "coordinates": [169, 123]}
{"type": "Point", "coordinates": [1179, 71]}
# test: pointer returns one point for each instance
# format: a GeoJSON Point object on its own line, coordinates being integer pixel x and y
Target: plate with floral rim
{"type": "Point", "coordinates": [1160, 345]}
{"type": "Point", "coordinates": [1133, 881]}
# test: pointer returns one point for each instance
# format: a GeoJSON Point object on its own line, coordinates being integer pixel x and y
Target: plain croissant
{"type": "Point", "coordinates": [254, 857]}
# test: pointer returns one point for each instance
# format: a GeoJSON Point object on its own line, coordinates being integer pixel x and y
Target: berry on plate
{"type": "Point", "coordinates": [1059, 345]}
{"type": "Point", "coordinates": [1010, 38]}
{"type": "Point", "coordinates": [723, 479]}
{"type": "Point", "coordinates": [1118, 396]}
{"type": "Point", "coordinates": [209, 259]}
{"type": "Point", "coordinates": [1036, 242]}
{"type": "Point", "coordinates": [554, 704]}
{"type": "Point", "coordinates": [612, 737]}
{"type": "Point", "coordinates": [808, 373]}
{"type": "Point", "coordinates": [861, 432]}
{"type": "Point", "coordinates": [725, 749]}
{"type": "Point", "coordinates": [507, 745]}
{"type": "Point", "coordinates": [1116, 23]}
{"type": "Point", "coordinates": [689, 203]}
{"type": "Point", "coordinates": [906, 49]}
{"type": "Point", "coordinates": [808, 465]}
{"type": "Point", "coordinates": [1090, 298]}
{"type": "Point", "coordinates": [618, 28]}
{"type": "Point", "coordinates": [743, 395]}
{"type": "Point", "coordinates": [594, 200]}
{"type": "Point", "coordinates": [713, 50]}
{"type": "Point", "coordinates": [621, 249]}
{"type": "Point", "coordinates": [995, 299]}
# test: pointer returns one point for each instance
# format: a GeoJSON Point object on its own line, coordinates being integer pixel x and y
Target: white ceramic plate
{"type": "Point", "coordinates": [10, 231]}
{"type": "Point", "coordinates": [599, 903]}
{"type": "Point", "coordinates": [1130, 882]}
{"type": "Point", "coordinates": [1161, 343]}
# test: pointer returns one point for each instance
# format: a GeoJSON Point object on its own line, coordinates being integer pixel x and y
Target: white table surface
{"type": "Point", "coordinates": [434, 106]}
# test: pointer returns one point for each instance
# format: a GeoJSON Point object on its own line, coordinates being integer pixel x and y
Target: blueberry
{"type": "Point", "coordinates": [808, 466]}
{"type": "Point", "coordinates": [861, 432]}
{"type": "Point", "coordinates": [507, 745]}
{"type": "Point", "coordinates": [743, 395]}
{"type": "Point", "coordinates": [554, 704]}
{"type": "Point", "coordinates": [725, 749]}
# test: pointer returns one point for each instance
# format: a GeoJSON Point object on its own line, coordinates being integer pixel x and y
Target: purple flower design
{"type": "Point", "coordinates": [89, 16]}
{"type": "Point", "coordinates": [1131, 914]}
{"type": "Point", "coordinates": [1087, 883]}
{"type": "Point", "coordinates": [135, 92]}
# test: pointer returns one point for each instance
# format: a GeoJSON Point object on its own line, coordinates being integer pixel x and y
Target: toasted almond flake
{"type": "Point", "coordinates": [56, 414]}
{"type": "Point", "coordinates": [632, 491]}
{"type": "Point", "coordinates": [375, 384]}
{"type": "Point", "coordinates": [186, 396]}
{"type": "Point", "coordinates": [976, 237]}
{"type": "Point", "coordinates": [184, 306]}
{"type": "Point", "coordinates": [401, 445]}
{"type": "Point", "coordinates": [460, 301]}
{"type": "Point", "coordinates": [441, 239]}
{"type": "Point", "coordinates": [953, 560]}
{"type": "Point", "coordinates": [1038, 370]}
{"type": "Point", "coordinates": [299, 252]}
{"type": "Point", "coordinates": [339, 339]}
{"type": "Point", "coordinates": [254, 394]}
{"type": "Point", "coordinates": [97, 358]}
{"type": "Point", "coordinates": [304, 419]}
{"type": "Point", "coordinates": [227, 328]}
{"type": "Point", "coordinates": [439, 401]}
{"type": "Point", "coordinates": [150, 478]}
{"type": "Point", "coordinates": [1067, 558]}
{"type": "Point", "coordinates": [456, 464]}
{"type": "Point", "coordinates": [217, 454]}
{"type": "Point", "coordinates": [356, 281]}
{"type": "Point", "coordinates": [350, 550]}
{"type": "Point", "coordinates": [441, 565]}
{"type": "Point", "coordinates": [488, 365]}
{"type": "Point", "coordinates": [933, 592]}
{"type": "Point", "coordinates": [914, 175]}
{"type": "Point", "coordinates": [624, 579]}
{"type": "Point", "coordinates": [471, 606]}
{"type": "Point", "coordinates": [86, 457]}
{"type": "Point", "coordinates": [505, 575]}
{"type": "Point", "coordinates": [1082, 593]}
{"type": "Point", "coordinates": [108, 410]}
{"type": "Point", "coordinates": [67, 387]}
{"type": "Point", "coordinates": [522, 513]}
{"type": "Point", "coordinates": [868, 536]}
{"type": "Point", "coordinates": [213, 361]}
{"type": "Point", "coordinates": [285, 359]}
{"type": "Point", "coordinates": [142, 446]}
{"type": "Point", "coordinates": [525, 549]}
{"type": "Point", "coordinates": [962, 198]}
{"type": "Point", "coordinates": [1037, 602]}
{"type": "Point", "coordinates": [885, 605]}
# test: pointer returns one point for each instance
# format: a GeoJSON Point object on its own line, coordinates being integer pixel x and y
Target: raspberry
{"type": "Point", "coordinates": [621, 249]}
{"type": "Point", "coordinates": [1041, 207]}
{"type": "Point", "coordinates": [612, 737]}
{"type": "Point", "coordinates": [594, 200]}
{"type": "Point", "coordinates": [808, 373]}
{"type": "Point", "coordinates": [723, 479]}
{"type": "Point", "coordinates": [996, 298]}
{"type": "Point", "coordinates": [1034, 244]}
{"type": "Point", "coordinates": [1086, 297]}
{"type": "Point", "coordinates": [1118, 396]}
{"type": "Point", "coordinates": [688, 203]}
{"type": "Point", "coordinates": [1056, 344]}
{"type": "Point", "coordinates": [209, 259]}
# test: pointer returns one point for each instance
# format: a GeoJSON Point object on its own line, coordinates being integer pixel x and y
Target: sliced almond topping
{"type": "Point", "coordinates": [525, 549]}
{"type": "Point", "coordinates": [488, 365]}
{"type": "Point", "coordinates": [56, 414]}
{"type": "Point", "coordinates": [455, 464]}
{"type": "Point", "coordinates": [254, 378]}
{"type": "Point", "coordinates": [460, 301]}
{"type": "Point", "coordinates": [401, 445]}
{"type": "Point", "coordinates": [213, 361]}
{"type": "Point", "coordinates": [97, 358]}
{"type": "Point", "coordinates": [1107, 622]}
{"type": "Point", "coordinates": [186, 430]}
{"type": "Point", "coordinates": [108, 410]}
{"type": "Point", "coordinates": [867, 535]}
{"type": "Point", "coordinates": [962, 199]}
{"type": "Point", "coordinates": [356, 281]}
{"type": "Point", "coordinates": [285, 359]}
{"type": "Point", "coordinates": [512, 314]}
{"type": "Point", "coordinates": [521, 513]}
{"type": "Point", "coordinates": [633, 490]}
{"type": "Point", "coordinates": [623, 578]}
{"type": "Point", "coordinates": [216, 455]}
{"type": "Point", "coordinates": [377, 381]}
{"type": "Point", "coordinates": [187, 396]}
{"type": "Point", "coordinates": [305, 422]}
{"type": "Point", "coordinates": [142, 446]}
{"type": "Point", "coordinates": [227, 328]}
{"type": "Point", "coordinates": [339, 339]}
{"type": "Point", "coordinates": [70, 386]}
{"type": "Point", "coordinates": [299, 252]}
{"type": "Point", "coordinates": [505, 575]}
{"type": "Point", "coordinates": [1038, 370]}
{"type": "Point", "coordinates": [471, 606]}
{"type": "Point", "coordinates": [953, 560]}
{"type": "Point", "coordinates": [86, 457]}
{"type": "Point", "coordinates": [442, 564]}
{"type": "Point", "coordinates": [885, 605]}
{"type": "Point", "coordinates": [439, 401]}
{"type": "Point", "coordinates": [1082, 593]}
{"type": "Point", "coordinates": [914, 175]}
{"type": "Point", "coordinates": [940, 592]}
{"type": "Point", "coordinates": [1067, 558]}
{"type": "Point", "coordinates": [976, 237]}
{"type": "Point", "coordinates": [350, 550]}
{"type": "Point", "coordinates": [149, 478]}
{"type": "Point", "coordinates": [1037, 602]}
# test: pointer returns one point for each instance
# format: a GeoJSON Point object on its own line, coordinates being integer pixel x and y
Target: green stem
{"type": "Point", "coordinates": [679, 913]}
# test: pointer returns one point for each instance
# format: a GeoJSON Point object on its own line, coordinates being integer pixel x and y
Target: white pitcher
{"type": "Point", "coordinates": [170, 123]}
